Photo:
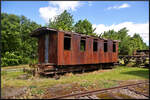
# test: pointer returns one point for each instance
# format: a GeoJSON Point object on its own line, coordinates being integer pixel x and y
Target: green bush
{"type": "Point", "coordinates": [12, 58]}
{"type": "Point", "coordinates": [4, 61]}
{"type": "Point", "coordinates": [26, 60]}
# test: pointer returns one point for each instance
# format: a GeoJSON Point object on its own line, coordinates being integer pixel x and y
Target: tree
{"type": "Point", "coordinates": [10, 33]}
{"type": "Point", "coordinates": [128, 44]}
{"type": "Point", "coordinates": [29, 45]}
{"type": "Point", "coordinates": [17, 45]}
{"type": "Point", "coordinates": [84, 27]}
{"type": "Point", "coordinates": [111, 34]}
{"type": "Point", "coordinates": [64, 21]}
{"type": "Point", "coordinates": [122, 33]}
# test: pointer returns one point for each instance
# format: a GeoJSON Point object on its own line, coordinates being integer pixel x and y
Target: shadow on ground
{"type": "Point", "coordinates": [57, 76]}
{"type": "Point", "coordinates": [140, 73]}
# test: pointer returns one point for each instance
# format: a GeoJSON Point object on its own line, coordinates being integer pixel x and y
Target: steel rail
{"type": "Point", "coordinates": [95, 91]}
{"type": "Point", "coordinates": [137, 92]}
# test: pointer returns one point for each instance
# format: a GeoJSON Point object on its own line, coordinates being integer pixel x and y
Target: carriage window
{"type": "Point", "coordinates": [82, 44]}
{"type": "Point", "coordinates": [95, 45]}
{"type": "Point", "coordinates": [105, 46]}
{"type": "Point", "coordinates": [114, 47]}
{"type": "Point", "coordinates": [67, 42]}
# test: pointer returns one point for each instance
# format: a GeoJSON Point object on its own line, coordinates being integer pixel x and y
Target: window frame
{"type": "Point", "coordinates": [67, 36]}
{"type": "Point", "coordinates": [105, 42]}
{"type": "Point", "coordinates": [83, 39]}
{"type": "Point", "coordinates": [95, 41]}
{"type": "Point", "coordinates": [114, 46]}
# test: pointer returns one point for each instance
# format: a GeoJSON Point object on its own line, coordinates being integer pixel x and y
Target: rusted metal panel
{"type": "Point", "coordinates": [53, 47]}
{"type": "Point", "coordinates": [101, 51]}
{"type": "Point", "coordinates": [95, 57]}
{"type": "Point", "coordinates": [105, 57]}
{"type": "Point", "coordinates": [75, 49]}
{"type": "Point", "coordinates": [78, 49]}
{"type": "Point", "coordinates": [110, 50]}
{"type": "Point", "coordinates": [82, 58]}
{"type": "Point", "coordinates": [41, 48]}
{"type": "Point", "coordinates": [88, 49]}
{"type": "Point", "coordinates": [60, 47]}
{"type": "Point", "coordinates": [67, 57]}
{"type": "Point", "coordinates": [75, 56]}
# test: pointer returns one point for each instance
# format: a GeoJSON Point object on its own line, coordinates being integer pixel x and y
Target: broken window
{"type": "Point", "coordinates": [114, 47]}
{"type": "Point", "coordinates": [67, 42]}
{"type": "Point", "coordinates": [95, 45]}
{"type": "Point", "coordinates": [105, 46]}
{"type": "Point", "coordinates": [82, 44]}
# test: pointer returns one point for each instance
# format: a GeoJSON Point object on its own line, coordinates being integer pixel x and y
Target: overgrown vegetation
{"type": "Point", "coordinates": [91, 80]}
{"type": "Point", "coordinates": [127, 43]}
{"type": "Point", "coordinates": [19, 48]}
{"type": "Point", "coordinates": [85, 79]}
{"type": "Point", "coordinates": [64, 21]}
{"type": "Point", "coordinates": [17, 45]}
{"type": "Point", "coordinates": [84, 27]}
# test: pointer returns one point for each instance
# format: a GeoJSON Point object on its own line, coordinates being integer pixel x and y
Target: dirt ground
{"type": "Point", "coordinates": [12, 92]}
{"type": "Point", "coordinates": [57, 90]}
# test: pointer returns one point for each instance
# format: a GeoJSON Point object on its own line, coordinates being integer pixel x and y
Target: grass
{"type": "Point", "coordinates": [15, 67]}
{"type": "Point", "coordinates": [97, 79]}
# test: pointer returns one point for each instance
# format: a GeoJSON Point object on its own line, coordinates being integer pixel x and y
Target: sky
{"type": "Point", "coordinates": [104, 15]}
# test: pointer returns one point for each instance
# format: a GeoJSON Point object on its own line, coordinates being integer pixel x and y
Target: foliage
{"type": "Point", "coordinates": [17, 45]}
{"type": "Point", "coordinates": [127, 43]}
{"type": "Point", "coordinates": [19, 48]}
{"type": "Point", "coordinates": [84, 27]}
{"type": "Point", "coordinates": [11, 59]}
{"type": "Point", "coordinates": [98, 78]}
{"type": "Point", "coordinates": [91, 80]}
{"type": "Point", "coordinates": [64, 21]}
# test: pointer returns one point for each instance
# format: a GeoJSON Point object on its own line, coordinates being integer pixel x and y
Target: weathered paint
{"type": "Point", "coordinates": [41, 48]}
{"type": "Point", "coordinates": [75, 56]}
{"type": "Point", "coordinates": [59, 56]}
{"type": "Point", "coordinates": [53, 47]}
{"type": "Point", "coordinates": [60, 48]}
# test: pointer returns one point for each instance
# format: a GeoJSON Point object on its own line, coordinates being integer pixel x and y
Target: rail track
{"type": "Point", "coordinates": [131, 92]}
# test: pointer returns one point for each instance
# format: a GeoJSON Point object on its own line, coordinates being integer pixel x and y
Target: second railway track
{"type": "Point", "coordinates": [130, 90]}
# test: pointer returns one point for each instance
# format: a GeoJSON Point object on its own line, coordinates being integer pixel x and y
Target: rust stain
{"type": "Point", "coordinates": [75, 56]}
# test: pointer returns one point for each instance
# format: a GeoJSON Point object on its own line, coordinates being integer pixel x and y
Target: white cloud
{"type": "Point", "coordinates": [57, 7]}
{"type": "Point", "coordinates": [48, 12]}
{"type": "Point", "coordinates": [141, 28]}
{"type": "Point", "coordinates": [89, 3]}
{"type": "Point", "coordinates": [125, 5]}
{"type": "Point", "coordinates": [65, 5]}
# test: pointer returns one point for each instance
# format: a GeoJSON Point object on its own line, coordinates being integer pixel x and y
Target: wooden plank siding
{"type": "Point", "coordinates": [74, 56]}
{"type": "Point", "coordinates": [41, 49]}
{"type": "Point", "coordinates": [53, 47]}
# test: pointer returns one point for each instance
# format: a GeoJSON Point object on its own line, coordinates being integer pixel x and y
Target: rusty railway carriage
{"type": "Point", "coordinates": [61, 51]}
